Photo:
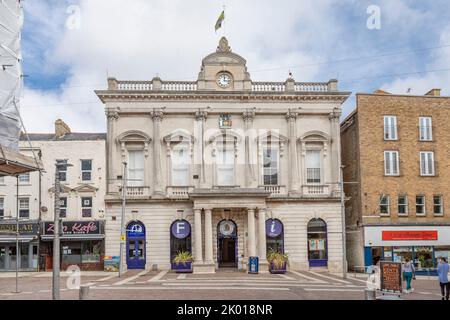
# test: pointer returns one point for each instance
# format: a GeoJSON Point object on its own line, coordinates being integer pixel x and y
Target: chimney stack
{"type": "Point", "coordinates": [61, 128]}
{"type": "Point", "coordinates": [434, 93]}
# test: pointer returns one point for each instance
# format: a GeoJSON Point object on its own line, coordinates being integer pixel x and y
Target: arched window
{"type": "Point", "coordinates": [275, 235]}
{"type": "Point", "coordinates": [317, 243]}
{"type": "Point", "coordinates": [180, 238]}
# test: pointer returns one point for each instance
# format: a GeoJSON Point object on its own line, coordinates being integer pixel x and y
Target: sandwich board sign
{"type": "Point", "coordinates": [391, 277]}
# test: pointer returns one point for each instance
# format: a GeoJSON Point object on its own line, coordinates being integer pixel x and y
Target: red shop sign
{"type": "Point", "coordinates": [409, 235]}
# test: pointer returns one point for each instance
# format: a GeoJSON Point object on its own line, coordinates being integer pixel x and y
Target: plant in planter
{"type": "Point", "coordinates": [182, 263]}
{"type": "Point", "coordinates": [277, 261]}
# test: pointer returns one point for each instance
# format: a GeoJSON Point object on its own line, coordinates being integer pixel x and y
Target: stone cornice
{"type": "Point", "coordinates": [118, 95]}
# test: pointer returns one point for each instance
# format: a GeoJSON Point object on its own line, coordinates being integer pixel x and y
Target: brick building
{"type": "Point", "coordinates": [395, 150]}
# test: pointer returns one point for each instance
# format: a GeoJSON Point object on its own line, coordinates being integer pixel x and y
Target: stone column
{"type": "Point", "coordinates": [250, 177]}
{"type": "Point", "coordinates": [262, 236]}
{"type": "Point", "coordinates": [208, 237]}
{"type": "Point", "coordinates": [335, 150]}
{"type": "Point", "coordinates": [199, 144]}
{"type": "Point", "coordinates": [251, 233]}
{"type": "Point", "coordinates": [198, 236]}
{"type": "Point", "coordinates": [112, 117]}
{"type": "Point", "coordinates": [157, 116]}
{"type": "Point", "coordinates": [291, 118]}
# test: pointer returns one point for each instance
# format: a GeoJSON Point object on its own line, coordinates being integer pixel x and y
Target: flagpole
{"type": "Point", "coordinates": [224, 24]}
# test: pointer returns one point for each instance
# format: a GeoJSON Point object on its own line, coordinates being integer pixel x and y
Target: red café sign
{"type": "Point", "coordinates": [74, 227]}
{"type": "Point", "coordinates": [404, 235]}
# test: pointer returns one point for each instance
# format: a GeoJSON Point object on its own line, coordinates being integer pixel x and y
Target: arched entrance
{"type": "Point", "coordinates": [136, 245]}
{"type": "Point", "coordinates": [317, 243]}
{"type": "Point", "coordinates": [274, 235]}
{"type": "Point", "coordinates": [180, 238]}
{"type": "Point", "coordinates": [227, 244]}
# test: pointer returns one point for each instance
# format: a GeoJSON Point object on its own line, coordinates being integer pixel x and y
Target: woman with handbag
{"type": "Point", "coordinates": [408, 274]}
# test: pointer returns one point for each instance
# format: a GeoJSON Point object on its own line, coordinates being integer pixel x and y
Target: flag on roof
{"type": "Point", "coordinates": [220, 20]}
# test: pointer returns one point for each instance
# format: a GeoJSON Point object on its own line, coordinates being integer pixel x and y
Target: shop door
{"type": "Point", "coordinates": [3, 258]}
{"type": "Point", "coordinates": [136, 254]}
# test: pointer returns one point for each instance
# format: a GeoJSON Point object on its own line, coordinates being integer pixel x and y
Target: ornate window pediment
{"type": "Point", "coordinates": [178, 136]}
{"type": "Point", "coordinates": [85, 188]}
{"type": "Point", "coordinates": [133, 137]}
{"type": "Point", "coordinates": [63, 189]}
{"type": "Point", "coordinates": [315, 136]}
{"type": "Point", "coordinates": [225, 135]}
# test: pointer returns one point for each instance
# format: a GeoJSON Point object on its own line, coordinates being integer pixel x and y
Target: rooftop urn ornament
{"type": "Point", "coordinates": [223, 45]}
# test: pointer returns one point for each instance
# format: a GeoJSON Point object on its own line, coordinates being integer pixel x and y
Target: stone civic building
{"type": "Point", "coordinates": [225, 168]}
{"type": "Point", "coordinates": [395, 147]}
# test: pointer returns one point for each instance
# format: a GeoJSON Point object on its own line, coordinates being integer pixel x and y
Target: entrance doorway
{"type": "Point", "coordinates": [136, 245]}
{"type": "Point", "coordinates": [227, 244]}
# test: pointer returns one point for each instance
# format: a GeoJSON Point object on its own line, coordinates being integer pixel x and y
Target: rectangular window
{"type": "Point", "coordinates": [313, 168]}
{"type": "Point", "coordinates": [270, 166]}
{"type": "Point", "coordinates": [402, 205]}
{"type": "Point", "coordinates": [86, 207]}
{"type": "Point", "coordinates": [86, 170]}
{"type": "Point", "coordinates": [391, 163]}
{"type": "Point", "coordinates": [425, 129]}
{"type": "Point", "coordinates": [24, 207]}
{"type": "Point", "coordinates": [225, 166]}
{"type": "Point", "coordinates": [384, 205]}
{"type": "Point", "coordinates": [180, 166]}
{"type": "Point", "coordinates": [420, 205]}
{"type": "Point", "coordinates": [2, 208]}
{"type": "Point", "coordinates": [135, 168]}
{"type": "Point", "coordinates": [63, 172]}
{"type": "Point", "coordinates": [427, 163]}
{"type": "Point", "coordinates": [438, 205]}
{"type": "Point", "coordinates": [24, 178]}
{"type": "Point", "coordinates": [2, 179]}
{"type": "Point", "coordinates": [63, 207]}
{"type": "Point", "coordinates": [390, 128]}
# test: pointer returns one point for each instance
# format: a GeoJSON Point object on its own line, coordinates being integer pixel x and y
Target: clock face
{"type": "Point", "coordinates": [224, 80]}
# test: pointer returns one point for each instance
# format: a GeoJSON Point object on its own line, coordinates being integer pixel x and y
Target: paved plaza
{"type": "Point", "coordinates": [224, 285]}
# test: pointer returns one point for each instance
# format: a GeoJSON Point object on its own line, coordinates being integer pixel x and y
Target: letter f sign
{"type": "Point", "coordinates": [180, 226]}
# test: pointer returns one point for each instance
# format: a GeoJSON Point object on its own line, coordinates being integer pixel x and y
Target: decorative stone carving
{"type": "Point", "coordinates": [248, 114]}
{"type": "Point", "coordinates": [291, 115]}
{"type": "Point", "coordinates": [157, 115]}
{"type": "Point", "coordinates": [201, 115]}
{"type": "Point", "coordinates": [112, 115]}
{"type": "Point", "coordinates": [335, 114]}
{"type": "Point", "coordinates": [223, 45]}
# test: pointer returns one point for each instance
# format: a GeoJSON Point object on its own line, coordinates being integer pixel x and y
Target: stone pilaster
{"type": "Point", "coordinates": [251, 232]}
{"type": "Point", "coordinates": [112, 117]}
{"type": "Point", "coordinates": [262, 245]}
{"type": "Point", "coordinates": [335, 150]}
{"type": "Point", "coordinates": [208, 237]}
{"type": "Point", "coordinates": [198, 236]}
{"type": "Point", "coordinates": [250, 149]}
{"type": "Point", "coordinates": [199, 146]}
{"type": "Point", "coordinates": [157, 116]}
{"type": "Point", "coordinates": [294, 180]}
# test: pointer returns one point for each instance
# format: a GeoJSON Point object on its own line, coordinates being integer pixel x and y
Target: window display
{"type": "Point", "coordinates": [400, 254]}
{"type": "Point", "coordinates": [423, 257]}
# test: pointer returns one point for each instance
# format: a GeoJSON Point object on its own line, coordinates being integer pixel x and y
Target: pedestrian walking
{"type": "Point", "coordinates": [443, 269]}
{"type": "Point", "coordinates": [408, 274]}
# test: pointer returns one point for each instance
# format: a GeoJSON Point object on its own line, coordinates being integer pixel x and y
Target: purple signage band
{"type": "Point", "coordinates": [181, 229]}
{"type": "Point", "coordinates": [274, 228]}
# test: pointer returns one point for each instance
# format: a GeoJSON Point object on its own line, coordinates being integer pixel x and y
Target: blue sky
{"type": "Point", "coordinates": [70, 46]}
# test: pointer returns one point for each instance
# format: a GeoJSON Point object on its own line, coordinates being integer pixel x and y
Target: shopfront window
{"type": "Point", "coordinates": [74, 252]}
{"type": "Point", "coordinates": [71, 253]}
{"type": "Point", "coordinates": [317, 240]}
{"type": "Point", "coordinates": [387, 253]}
{"type": "Point", "coordinates": [91, 251]}
{"type": "Point", "coordinates": [423, 257]}
{"type": "Point", "coordinates": [441, 252]}
{"type": "Point", "coordinates": [400, 254]}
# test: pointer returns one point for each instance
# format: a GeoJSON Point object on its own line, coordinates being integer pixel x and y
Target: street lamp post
{"type": "Point", "coordinates": [122, 219]}
{"type": "Point", "coordinates": [344, 244]}
{"type": "Point", "coordinates": [17, 236]}
{"type": "Point", "coordinates": [56, 230]}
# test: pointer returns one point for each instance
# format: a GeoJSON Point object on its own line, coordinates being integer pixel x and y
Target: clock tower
{"type": "Point", "coordinates": [224, 70]}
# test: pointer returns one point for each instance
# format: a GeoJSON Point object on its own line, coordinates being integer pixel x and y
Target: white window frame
{"type": "Point", "coordinates": [391, 163]}
{"type": "Point", "coordinates": [64, 171]}
{"type": "Point", "coordinates": [405, 205]}
{"type": "Point", "coordinates": [388, 204]}
{"type": "Point", "coordinates": [181, 167]}
{"type": "Point", "coordinates": [271, 146]}
{"type": "Point", "coordinates": [441, 205]}
{"type": "Point", "coordinates": [63, 208]}
{"type": "Point", "coordinates": [24, 205]}
{"type": "Point", "coordinates": [24, 178]}
{"type": "Point", "coordinates": [131, 175]}
{"type": "Point", "coordinates": [2, 207]}
{"type": "Point", "coordinates": [427, 133]}
{"type": "Point", "coordinates": [424, 205]}
{"type": "Point", "coordinates": [227, 147]}
{"type": "Point", "coordinates": [83, 207]}
{"type": "Point", "coordinates": [320, 151]}
{"type": "Point", "coordinates": [90, 171]}
{"type": "Point", "coordinates": [390, 128]}
{"type": "Point", "coordinates": [425, 164]}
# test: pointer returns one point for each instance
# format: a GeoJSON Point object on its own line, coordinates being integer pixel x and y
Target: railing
{"type": "Point", "coordinates": [157, 84]}
{"type": "Point", "coordinates": [179, 86]}
{"type": "Point", "coordinates": [135, 85]}
{"type": "Point", "coordinates": [179, 192]}
{"type": "Point", "coordinates": [311, 86]}
{"type": "Point", "coordinates": [138, 192]}
{"type": "Point", "coordinates": [315, 190]}
{"type": "Point", "coordinates": [275, 190]}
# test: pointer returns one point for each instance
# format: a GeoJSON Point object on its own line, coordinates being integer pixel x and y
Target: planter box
{"type": "Point", "coordinates": [182, 267]}
{"type": "Point", "coordinates": [273, 270]}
